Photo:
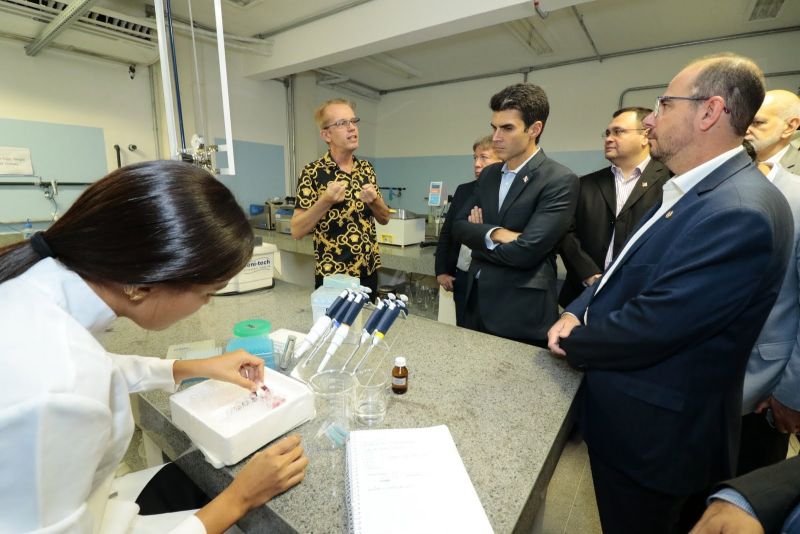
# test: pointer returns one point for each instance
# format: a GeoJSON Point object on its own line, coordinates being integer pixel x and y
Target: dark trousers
{"type": "Point", "coordinates": [474, 321]}
{"type": "Point", "coordinates": [368, 280]}
{"type": "Point", "coordinates": [171, 490]}
{"type": "Point", "coordinates": [459, 296]}
{"type": "Point", "coordinates": [761, 444]}
{"type": "Point", "coordinates": [628, 508]}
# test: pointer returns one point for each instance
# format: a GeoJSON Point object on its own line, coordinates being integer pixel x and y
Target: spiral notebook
{"type": "Point", "coordinates": [410, 480]}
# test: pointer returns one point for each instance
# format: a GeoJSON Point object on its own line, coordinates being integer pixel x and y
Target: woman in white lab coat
{"type": "Point", "coordinates": [150, 242]}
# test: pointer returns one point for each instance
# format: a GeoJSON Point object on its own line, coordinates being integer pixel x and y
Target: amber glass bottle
{"type": "Point", "coordinates": [399, 376]}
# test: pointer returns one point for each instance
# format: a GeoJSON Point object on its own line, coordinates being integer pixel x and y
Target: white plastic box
{"type": "Point", "coordinates": [208, 413]}
{"type": "Point", "coordinates": [257, 274]}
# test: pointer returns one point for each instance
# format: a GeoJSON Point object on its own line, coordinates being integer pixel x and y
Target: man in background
{"type": "Point", "coordinates": [453, 258]}
{"type": "Point", "coordinates": [773, 128]}
{"type": "Point", "coordinates": [338, 199]}
{"type": "Point", "coordinates": [611, 202]}
{"type": "Point", "coordinates": [771, 399]}
{"type": "Point", "coordinates": [519, 212]}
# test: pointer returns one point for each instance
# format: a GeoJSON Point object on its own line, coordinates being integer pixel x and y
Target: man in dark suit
{"type": "Point", "coordinates": [519, 212]}
{"type": "Point", "coordinates": [764, 501]}
{"type": "Point", "coordinates": [611, 202]}
{"type": "Point", "coordinates": [453, 258]}
{"type": "Point", "coordinates": [664, 336]}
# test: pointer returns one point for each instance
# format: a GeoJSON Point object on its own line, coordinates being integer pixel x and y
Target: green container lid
{"type": "Point", "coordinates": [252, 327]}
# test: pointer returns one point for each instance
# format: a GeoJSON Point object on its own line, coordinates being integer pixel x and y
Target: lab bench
{"type": "Point", "coordinates": [509, 407]}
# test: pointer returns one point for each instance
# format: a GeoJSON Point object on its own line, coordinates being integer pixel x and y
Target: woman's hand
{"type": "Point", "coordinates": [237, 367]}
{"type": "Point", "coordinates": [268, 473]}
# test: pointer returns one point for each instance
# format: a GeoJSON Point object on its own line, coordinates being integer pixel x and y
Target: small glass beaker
{"type": "Point", "coordinates": [371, 397]}
{"type": "Point", "coordinates": [333, 400]}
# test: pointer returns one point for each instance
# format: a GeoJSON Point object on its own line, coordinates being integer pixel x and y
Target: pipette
{"type": "Point", "coordinates": [335, 320]}
{"type": "Point", "coordinates": [344, 328]}
{"type": "Point", "coordinates": [386, 321]}
{"type": "Point", "coordinates": [369, 327]}
{"type": "Point", "coordinates": [322, 324]}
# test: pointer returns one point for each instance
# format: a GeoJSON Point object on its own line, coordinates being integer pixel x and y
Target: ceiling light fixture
{"type": "Point", "coordinates": [527, 34]}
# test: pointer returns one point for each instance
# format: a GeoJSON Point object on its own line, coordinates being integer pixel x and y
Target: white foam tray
{"type": "Point", "coordinates": [206, 413]}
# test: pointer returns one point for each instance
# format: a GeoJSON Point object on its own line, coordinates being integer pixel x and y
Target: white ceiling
{"type": "Point", "coordinates": [616, 26]}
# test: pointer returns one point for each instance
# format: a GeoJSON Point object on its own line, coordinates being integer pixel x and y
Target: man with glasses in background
{"type": "Point", "coordinates": [338, 198]}
{"type": "Point", "coordinates": [611, 202]}
{"type": "Point", "coordinates": [664, 336]}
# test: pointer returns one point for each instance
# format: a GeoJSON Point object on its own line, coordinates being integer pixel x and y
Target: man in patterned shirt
{"type": "Point", "coordinates": [338, 198]}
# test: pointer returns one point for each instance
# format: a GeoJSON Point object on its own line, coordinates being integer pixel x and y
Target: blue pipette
{"type": "Point", "coordinates": [385, 322]}
{"type": "Point", "coordinates": [322, 324]}
{"type": "Point", "coordinates": [344, 328]}
{"type": "Point", "coordinates": [369, 327]}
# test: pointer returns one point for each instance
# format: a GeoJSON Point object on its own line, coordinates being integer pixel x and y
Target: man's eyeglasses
{"type": "Point", "coordinates": [342, 123]}
{"type": "Point", "coordinates": [666, 98]}
{"type": "Point", "coordinates": [616, 132]}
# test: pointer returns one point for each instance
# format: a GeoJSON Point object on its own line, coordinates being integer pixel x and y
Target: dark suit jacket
{"type": "Point", "coordinates": [584, 247]}
{"type": "Point", "coordinates": [447, 248]}
{"type": "Point", "coordinates": [517, 289]}
{"type": "Point", "coordinates": [669, 335]}
{"type": "Point", "coordinates": [773, 492]}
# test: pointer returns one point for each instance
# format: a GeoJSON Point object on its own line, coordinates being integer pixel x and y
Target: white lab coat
{"type": "Point", "coordinates": [65, 415]}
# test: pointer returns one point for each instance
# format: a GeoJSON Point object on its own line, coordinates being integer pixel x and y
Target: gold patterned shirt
{"type": "Point", "coordinates": [344, 238]}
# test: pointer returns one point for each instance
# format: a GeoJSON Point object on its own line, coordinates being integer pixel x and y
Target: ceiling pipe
{"type": "Point", "coordinates": [527, 70]}
{"type": "Point", "coordinates": [543, 14]}
{"type": "Point", "coordinates": [586, 33]}
{"type": "Point", "coordinates": [663, 85]}
{"type": "Point", "coordinates": [64, 19]}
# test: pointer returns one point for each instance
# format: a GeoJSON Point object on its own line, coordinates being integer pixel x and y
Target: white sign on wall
{"type": "Point", "coordinates": [15, 161]}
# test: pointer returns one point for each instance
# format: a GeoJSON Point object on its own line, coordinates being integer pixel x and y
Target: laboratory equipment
{"type": "Point", "coordinates": [252, 335]}
{"type": "Point", "coordinates": [403, 228]}
{"type": "Point", "coordinates": [257, 274]}
{"type": "Point", "coordinates": [227, 424]}
{"type": "Point", "coordinates": [344, 327]}
{"type": "Point", "coordinates": [322, 324]}
{"type": "Point", "coordinates": [333, 397]}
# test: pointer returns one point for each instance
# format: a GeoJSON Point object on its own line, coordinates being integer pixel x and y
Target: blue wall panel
{"type": "Point", "coordinates": [61, 152]}
{"type": "Point", "coordinates": [259, 172]}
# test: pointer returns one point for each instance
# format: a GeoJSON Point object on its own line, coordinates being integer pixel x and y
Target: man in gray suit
{"type": "Point", "coordinates": [771, 400]}
{"type": "Point", "coordinates": [773, 127]}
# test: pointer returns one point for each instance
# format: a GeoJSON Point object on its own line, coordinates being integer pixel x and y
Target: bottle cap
{"type": "Point", "coordinates": [400, 361]}
{"type": "Point", "coordinates": [251, 327]}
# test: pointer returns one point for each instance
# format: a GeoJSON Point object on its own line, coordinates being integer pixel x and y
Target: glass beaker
{"type": "Point", "coordinates": [371, 397]}
{"type": "Point", "coordinates": [333, 399]}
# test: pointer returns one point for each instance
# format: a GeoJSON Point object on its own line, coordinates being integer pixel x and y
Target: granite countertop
{"type": "Point", "coordinates": [411, 259]}
{"type": "Point", "coordinates": [507, 405]}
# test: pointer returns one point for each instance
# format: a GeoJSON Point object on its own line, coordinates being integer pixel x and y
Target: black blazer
{"type": "Point", "coordinates": [585, 245]}
{"type": "Point", "coordinates": [518, 280]}
{"type": "Point", "coordinates": [447, 248]}
{"type": "Point", "coordinates": [772, 491]}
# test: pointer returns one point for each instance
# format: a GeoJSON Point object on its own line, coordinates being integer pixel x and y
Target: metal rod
{"type": "Point", "coordinates": [587, 34]}
{"type": "Point", "coordinates": [166, 82]}
{"type": "Point", "coordinates": [223, 83]}
{"type": "Point", "coordinates": [663, 85]}
{"type": "Point", "coordinates": [171, 34]}
{"type": "Point", "coordinates": [525, 70]}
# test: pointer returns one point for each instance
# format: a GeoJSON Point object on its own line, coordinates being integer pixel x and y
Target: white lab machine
{"type": "Point", "coordinates": [404, 228]}
{"type": "Point", "coordinates": [257, 274]}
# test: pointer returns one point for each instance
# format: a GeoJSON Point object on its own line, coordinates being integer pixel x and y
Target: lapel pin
{"type": "Point", "coordinates": [525, 179]}
{"type": "Point", "coordinates": [644, 184]}
{"type": "Point", "coordinates": [668, 215]}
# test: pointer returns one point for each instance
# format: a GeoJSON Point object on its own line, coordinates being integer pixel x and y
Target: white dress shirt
{"type": "Point", "coordinates": [776, 158]}
{"type": "Point", "coordinates": [65, 414]}
{"type": "Point", "coordinates": [674, 189]}
{"type": "Point", "coordinates": [507, 178]}
{"type": "Point", "coordinates": [623, 187]}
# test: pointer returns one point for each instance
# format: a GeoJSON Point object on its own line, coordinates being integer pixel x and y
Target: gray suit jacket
{"type": "Point", "coordinates": [791, 160]}
{"type": "Point", "coordinates": [774, 364]}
